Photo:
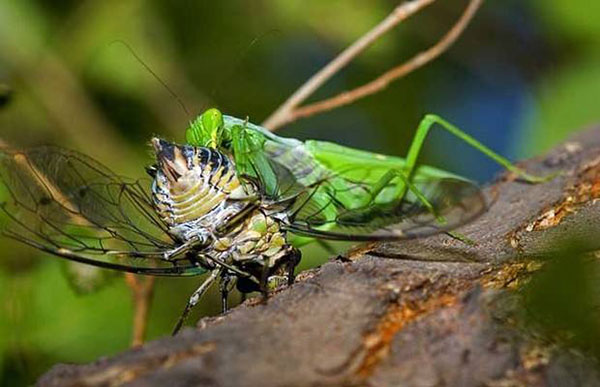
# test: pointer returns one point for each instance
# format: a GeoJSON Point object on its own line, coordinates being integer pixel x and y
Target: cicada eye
{"type": "Point", "coordinates": [151, 170]}
{"type": "Point", "coordinates": [188, 152]}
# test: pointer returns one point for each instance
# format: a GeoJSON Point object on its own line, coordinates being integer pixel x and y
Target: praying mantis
{"type": "Point", "coordinates": [389, 178]}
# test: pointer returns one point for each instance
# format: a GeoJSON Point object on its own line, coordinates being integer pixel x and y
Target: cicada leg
{"type": "Point", "coordinates": [263, 282]}
{"type": "Point", "coordinates": [181, 249]}
{"type": "Point", "coordinates": [225, 286]}
{"type": "Point", "coordinates": [264, 278]}
{"type": "Point", "coordinates": [195, 297]}
{"type": "Point", "coordinates": [294, 260]}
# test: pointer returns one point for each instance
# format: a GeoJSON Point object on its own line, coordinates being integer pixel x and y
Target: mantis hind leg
{"type": "Point", "coordinates": [426, 124]}
{"type": "Point", "coordinates": [405, 185]}
{"type": "Point", "coordinates": [430, 120]}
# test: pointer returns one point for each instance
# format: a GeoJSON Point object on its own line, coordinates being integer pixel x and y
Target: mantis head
{"type": "Point", "coordinates": [208, 130]}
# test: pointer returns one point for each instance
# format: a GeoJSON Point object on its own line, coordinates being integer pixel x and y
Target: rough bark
{"type": "Point", "coordinates": [431, 311]}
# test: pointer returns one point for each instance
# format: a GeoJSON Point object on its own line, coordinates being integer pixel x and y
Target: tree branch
{"type": "Point", "coordinates": [281, 116]}
{"type": "Point", "coordinates": [430, 311]}
{"type": "Point", "coordinates": [289, 111]}
{"type": "Point", "coordinates": [141, 291]}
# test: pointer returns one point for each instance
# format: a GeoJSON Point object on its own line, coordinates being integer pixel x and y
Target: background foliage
{"type": "Point", "coordinates": [524, 75]}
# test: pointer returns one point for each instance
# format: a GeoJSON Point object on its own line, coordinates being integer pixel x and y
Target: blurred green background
{"type": "Point", "coordinates": [523, 76]}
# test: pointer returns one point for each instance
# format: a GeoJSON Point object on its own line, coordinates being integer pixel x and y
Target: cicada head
{"type": "Point", "coordinates": [179, 167]}
{"type": "Point", "coordinates": [195, 185]}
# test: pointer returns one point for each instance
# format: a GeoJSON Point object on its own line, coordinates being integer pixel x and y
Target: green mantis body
{"type": "Point", "coordinates": [388, 177]}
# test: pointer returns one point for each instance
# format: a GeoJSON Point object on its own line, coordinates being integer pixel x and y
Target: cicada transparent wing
{"type": "Point", "coordinates": [335, 209]}
{"type": "Point", "coordinates": [67, 204]}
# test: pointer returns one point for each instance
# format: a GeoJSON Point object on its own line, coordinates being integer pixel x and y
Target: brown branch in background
{"type": "Point", "coordinates": [142, 297]}
{"type": "Point", "coordinates": [289, 111]}
{"type": "Point", "coordinates": [281, 116]}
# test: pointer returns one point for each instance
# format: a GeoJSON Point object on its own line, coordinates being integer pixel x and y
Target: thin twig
{"type": "Point", "coordinates": [400, 13]}
{"type": "Point", "coordinates": [386, 78]}
{"type": "Point", "coordinates": [289, 112]}
{"type": "Point", "coordinates": [142, 297]}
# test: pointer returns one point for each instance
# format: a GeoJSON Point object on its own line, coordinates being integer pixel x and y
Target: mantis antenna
{"type": "Point", "coordinates": [158, 79]}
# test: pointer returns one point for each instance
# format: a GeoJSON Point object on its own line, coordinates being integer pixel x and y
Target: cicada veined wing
{"type": "Point", "coordinates": [67, 204]}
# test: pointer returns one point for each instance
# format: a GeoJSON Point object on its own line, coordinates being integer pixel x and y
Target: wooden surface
{"type": "Point", "coordinates": [426, 312]}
